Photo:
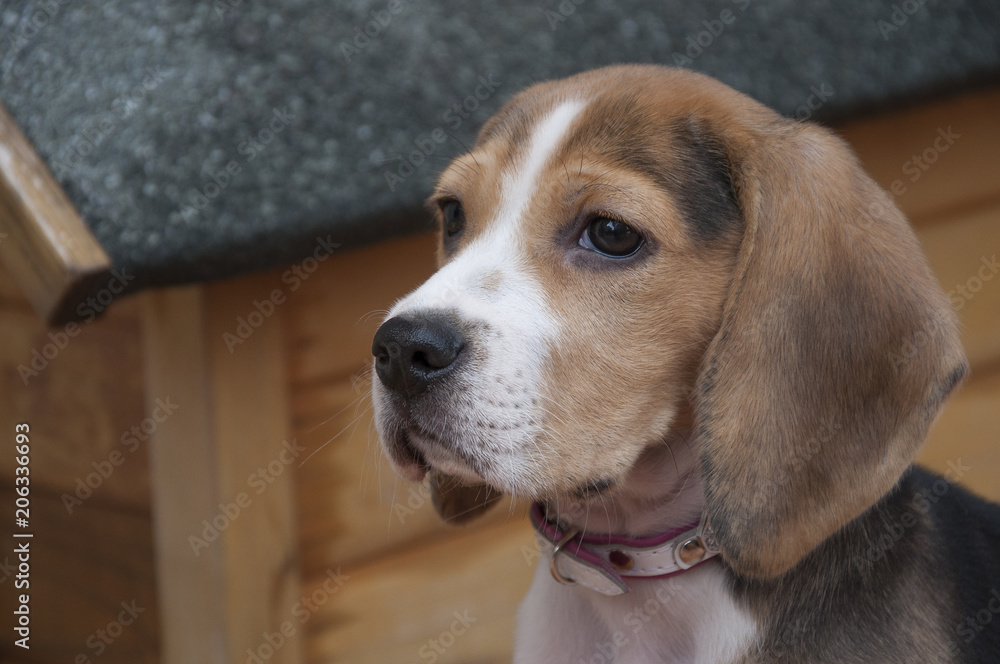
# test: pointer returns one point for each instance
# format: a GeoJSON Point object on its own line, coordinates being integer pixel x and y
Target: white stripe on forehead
{"type": "Point", "coordinates": [490, 286]}
{"type": "Point", "coordinates": [458, 283]}
{"type": "Point", "coordinates": [520, 181]}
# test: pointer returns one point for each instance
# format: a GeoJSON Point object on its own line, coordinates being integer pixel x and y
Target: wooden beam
{"type": "Point", "coordinates": [47, 247]}
{"type": "Point", "coordinates": [222, 479]}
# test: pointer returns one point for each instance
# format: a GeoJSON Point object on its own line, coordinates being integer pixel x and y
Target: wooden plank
{"type": "Point", "coordinates": [88, 556]}
{"type": "Point", "coordinates": [966, 436]}
{"type": "Point", "coordinates": [84, 566]}
{"type": "Point", "coordinates": [892, 148]}
{"type": "Point", "coordinates": [227, 459]}
{"type": "Point", "coordinates": [47, 247]}
{"type": "Point", "coordinates": [82, 395]}
{"type": "Point", "coordinates": [11, 295]}
{"type": "Point", "coordinates": [963, 252]}
{"type": "Point", "coordinates": [390, 609]}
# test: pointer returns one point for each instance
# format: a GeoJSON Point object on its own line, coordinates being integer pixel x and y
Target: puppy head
{"type": "Point", "coordinates": [587, 244]}
{"type": "Point", "coordinates": [627, 244]}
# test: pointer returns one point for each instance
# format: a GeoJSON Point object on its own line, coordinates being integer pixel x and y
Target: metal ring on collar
{"type": "Point", "coordinates": [555, 552]}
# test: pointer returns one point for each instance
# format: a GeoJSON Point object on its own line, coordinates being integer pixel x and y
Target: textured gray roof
{"type": "Point", "coordinates": [136, 105]}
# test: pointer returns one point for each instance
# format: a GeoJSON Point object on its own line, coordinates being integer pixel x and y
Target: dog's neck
{"type": "Point", "coordinates": [663, 491]}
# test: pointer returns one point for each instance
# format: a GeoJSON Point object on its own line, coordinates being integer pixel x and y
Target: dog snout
{"type": "Point", "coordinates": [411, 353]}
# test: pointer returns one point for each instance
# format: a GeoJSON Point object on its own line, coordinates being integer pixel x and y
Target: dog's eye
{"type": "Point", "coordinates": [611, 237]}
{"type": "Point", "coordinates": [454, 217]}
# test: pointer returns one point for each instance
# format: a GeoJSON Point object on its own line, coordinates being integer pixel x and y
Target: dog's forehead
{"type": "Point", "coordinates": [520, 179]}
{"type": "Point", "coordinates": [490, 277]}
{"type": "Point", "coordinates": [646, 128]}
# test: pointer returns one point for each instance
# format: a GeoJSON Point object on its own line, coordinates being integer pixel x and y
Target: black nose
{"type": "Point", "coordinates": [411, 353]}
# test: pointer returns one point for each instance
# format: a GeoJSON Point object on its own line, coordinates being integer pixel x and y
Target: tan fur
{"type": "Point", "coordinates": [786, 326]}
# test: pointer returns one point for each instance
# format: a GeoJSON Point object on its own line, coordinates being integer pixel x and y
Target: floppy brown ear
{"type": "Point", "coordinates": [836, 350]}
{"type": "Point", "coordinates": [458, 503]}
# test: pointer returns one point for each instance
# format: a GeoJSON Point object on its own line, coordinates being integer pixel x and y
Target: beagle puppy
{"type": "Point", "coordinates": [708, 347]}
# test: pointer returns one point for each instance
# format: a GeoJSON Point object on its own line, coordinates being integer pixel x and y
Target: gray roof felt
{"type": "Point", "coordinates": [139, 107]}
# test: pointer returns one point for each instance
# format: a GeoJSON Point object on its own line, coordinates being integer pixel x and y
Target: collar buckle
{"type": "Point", "coordinates": [553, 563]}
{"type": "Point", "coordinates": [701, 546]}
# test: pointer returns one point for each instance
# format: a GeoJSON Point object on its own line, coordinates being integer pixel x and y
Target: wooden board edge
{"type": "Point", "coordinates": [49, 250]}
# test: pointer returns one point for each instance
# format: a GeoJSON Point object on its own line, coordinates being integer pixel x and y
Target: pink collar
{"type": "Point", "coordinates": [602, 563]}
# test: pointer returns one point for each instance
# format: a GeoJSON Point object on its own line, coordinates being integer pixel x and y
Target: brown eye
{"type": "Point", "coordinates": [611, 237]}
{"type": "Point", "coordinates": [454, 217]}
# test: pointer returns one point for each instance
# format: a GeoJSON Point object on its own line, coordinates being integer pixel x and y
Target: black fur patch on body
{"type": "Point", "coordinates": [896, 585]}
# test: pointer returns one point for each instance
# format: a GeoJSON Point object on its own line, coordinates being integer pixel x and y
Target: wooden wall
{"type": "Point", "coordinates": [402, 574]}
{"type": "Point", "coordinates": [84, 563]}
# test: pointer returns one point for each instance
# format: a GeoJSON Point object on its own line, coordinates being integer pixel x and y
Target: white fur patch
{"type": "Point", "coordinates": [489, 283]}
{"type": "Point", "coordinates": [690, 617]}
